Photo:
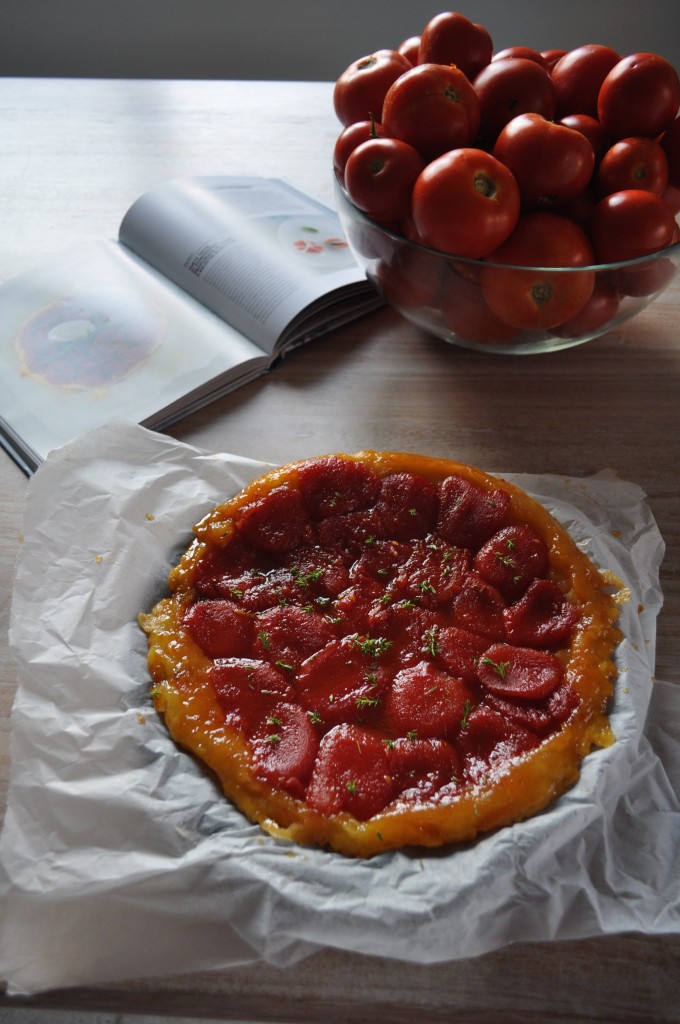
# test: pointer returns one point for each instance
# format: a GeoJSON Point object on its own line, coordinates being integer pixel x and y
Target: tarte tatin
{"type": "Point", "coordinates": [384, 650]}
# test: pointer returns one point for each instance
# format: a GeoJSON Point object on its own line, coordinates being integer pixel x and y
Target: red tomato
{"type": "Point", "coordinates": [465, 202]}
{"type": "Point", "coordinates": [360, 90]}
{"type": "Point", "coordinates": [433, 107]}
{"type": "Point", "coordinates": [410, 277]}
{"type": "Point", "coordinates": [551, 57]}
{"type": "Point", "coordinates": [637, 162]}
{"type": "Point", "coordinates": [578, 76]}
{"type": "Point", "coordinates": [506, 88]}
{"type": "Point", "coordinates": [550, 162]}
{"type": "Point", "coordinates": [467, 314]}
{"type": "Point", "coordinates": [522, 51]}
{"type": "Point", "coordinates": [451, 38]}
{"type": "Point", "coordinates": [348, 140]}
{"type": "Point", "coordinates": [639, 96]}
{"type": "Point", "coordinates": [409, 49]}
{"type": "Point", "coordinates": [643, 279]}
{"type": "Point", "coordinates": [591, 128]}
{"type": "Point", "coordinates": [672, 198]}
{"type": "Point", "coordinates": [670, 142]}
{"type": "Point", "coordinates": [629, 224]}
{"type": "Point", "coordinates": [580, 208]}
{"type": "Point", "coordinates": [380, 175]}
{"type": "Point", "coordinates": [535, 297]}
{"type": "Point", "coordinates": [600, 308]}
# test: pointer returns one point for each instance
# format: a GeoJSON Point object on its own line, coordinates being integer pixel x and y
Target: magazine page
{"type": "Point", "coordinates": [253, 250]}
{"type": "Point", "coordinates": [101, 336]}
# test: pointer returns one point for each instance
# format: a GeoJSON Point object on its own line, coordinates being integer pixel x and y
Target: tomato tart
{"type": "Point", "coordinates": [383, 650]}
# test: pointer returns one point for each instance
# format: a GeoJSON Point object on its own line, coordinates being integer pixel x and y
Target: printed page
{"type": "Point", "coordinates": [253, 250]}
{"type": "Point", "coordinates": [102, 336]}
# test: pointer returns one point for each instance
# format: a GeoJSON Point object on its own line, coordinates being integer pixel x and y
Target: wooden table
{"type": "Point", "coordinates": [75, 154]}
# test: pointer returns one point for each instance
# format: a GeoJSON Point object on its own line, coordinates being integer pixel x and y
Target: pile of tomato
{"type": "Point", "coordinates": [552, 159]}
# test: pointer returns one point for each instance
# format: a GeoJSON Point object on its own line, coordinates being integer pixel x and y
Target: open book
{"type": "Point", "coordinates": [210, 281]}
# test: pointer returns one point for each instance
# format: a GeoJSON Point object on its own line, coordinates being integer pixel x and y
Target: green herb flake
{"type": "Point", "coordinates": [499, 667]}
{"type": "Point", "coordinates": [431, 638]}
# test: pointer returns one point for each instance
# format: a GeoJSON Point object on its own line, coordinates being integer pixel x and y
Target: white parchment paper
{"type": "Point", "coordinates": [119, 858]}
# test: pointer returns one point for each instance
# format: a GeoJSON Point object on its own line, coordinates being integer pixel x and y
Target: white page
{"type": "Point", "coordinates": [253, 250]}
{"type": "Point", "coordinates": [64, 371]}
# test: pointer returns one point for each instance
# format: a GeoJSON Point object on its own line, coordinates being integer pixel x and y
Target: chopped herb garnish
{"type": "Point", "coordinates": [367, 702]}
{"type": "Point", "coordinates": [426, 587]}
{"type": "Point", "coordinates": [430, 637]}
{"type": "Point", "coordinates": [500, 667]}
{"type": "Point", "coordinates": [264, 639]}
{"type": "Point", "coordinates": [467, 708]}
{"type": "Point", "coordinates": [373, 647]}
{"type": "Point", "coordinates": [505, 560]}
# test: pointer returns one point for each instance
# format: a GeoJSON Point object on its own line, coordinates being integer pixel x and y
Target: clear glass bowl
{"type": "Point", "coordinates": [467, 302]}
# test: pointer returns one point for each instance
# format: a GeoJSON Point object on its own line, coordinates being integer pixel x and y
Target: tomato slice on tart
{"type": "Point", "coordinates": [382, 650]}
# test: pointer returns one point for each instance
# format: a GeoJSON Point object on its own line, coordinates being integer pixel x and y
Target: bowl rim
{"type": "Point", "coordinates": [673, 250]}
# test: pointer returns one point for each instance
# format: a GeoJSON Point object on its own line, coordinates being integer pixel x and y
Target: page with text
{"type": "Point", "coordinates": [253, 250]}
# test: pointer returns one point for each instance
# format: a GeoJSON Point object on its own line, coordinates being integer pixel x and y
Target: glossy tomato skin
{"type": "Point", "coordinates": [550, 162]}
{"type": "Point", "coordinates": [630, 224]}
{"type": "Point", "coordinates": [591, 128]}
{"type": "Point", "coordinates": [598, 311]}
{"type": "Point", "coordinates": [409, 48]}
{"type": "Point", "coordinates": [578, 77]}
{"type": "Point", "coordinates": [433, 107]}
{"type": "Point", "coordinates": [467, 314]}
{"type": "Point", "coordinates": [552, 56]}
{"type": "Point", "coordinates": [671, 147]}
{"type": "Point", "coordinates": [637, 162]}
{"type": "Point", "coordinates": [535, 298]}
{"type": "Point", "coordinates": [522, 51]}
{"type": "Point", "coordinates": [360, 90]}
{"type": "Point", "coordinates": [451, 38]}
{"type": "Point", "coordinates": [349, 138]}
{"type": "Point", "coordinates": [639, 96]}
{"type": "Point", "coordinates": [379, 177]}
{"type": "Point", "coordinates": [509, 87]}
{"type": "Point", "coordinates": [465, 202]}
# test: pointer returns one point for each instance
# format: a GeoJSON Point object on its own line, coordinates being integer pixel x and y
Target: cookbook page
{"type": "Point", "coordinates": [253, 250]}
{"type": "Point", "coordinates": [99, 335]}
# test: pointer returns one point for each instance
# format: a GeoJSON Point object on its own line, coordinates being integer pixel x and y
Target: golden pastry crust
{"type": "Point", "coordinates": [345, 645]}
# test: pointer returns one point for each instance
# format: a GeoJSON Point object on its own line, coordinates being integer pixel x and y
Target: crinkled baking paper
{"type": "Point", "coordinates": [119, 857]}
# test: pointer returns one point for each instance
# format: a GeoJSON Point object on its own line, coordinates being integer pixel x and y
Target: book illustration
{"type": "Point", "coordinates": [89, 339]}
{"type": "Point", "coordinates": [209, 283]}
{"type": "Point", "coordinates": [318, 243]}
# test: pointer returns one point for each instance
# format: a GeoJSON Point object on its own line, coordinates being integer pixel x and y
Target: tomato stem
{"type": "Point", "coordinates": [485, 185]}
{"type": "Point", "coordinates": [541, 293]}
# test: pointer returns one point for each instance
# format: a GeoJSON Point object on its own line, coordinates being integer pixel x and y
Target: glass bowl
{"type": "Point", "coordinates": [470, 303]}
